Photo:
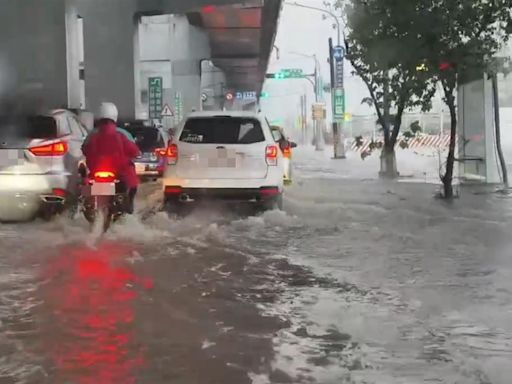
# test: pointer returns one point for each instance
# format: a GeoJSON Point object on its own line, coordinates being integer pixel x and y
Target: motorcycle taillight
{"type": "Point", "coordinates": [104, 176]}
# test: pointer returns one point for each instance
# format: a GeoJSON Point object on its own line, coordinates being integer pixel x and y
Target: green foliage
{"type": "Point", "coordinates": [466, 35]}
{"type": "Point", "coordinates": [384, 51]}
{"type": "Point", "coordinates": [402, 48]}
{"type": "Point", "coordinates": [415, 127]}
{"type": "Point", "coordinates": [359, 141]}
{"type": "Point", "coordinates": [413, 132]}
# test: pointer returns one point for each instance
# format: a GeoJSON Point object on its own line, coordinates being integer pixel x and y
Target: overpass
{"type": "Point", "coordinates": [77, 53]}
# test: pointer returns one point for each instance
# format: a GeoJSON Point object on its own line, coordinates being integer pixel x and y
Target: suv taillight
{"type": "Point", "coordinates": [271, 154]}
{"type": "Point", "coordinates": [59, 148]}
{"type": "Point", "coordinates": [172, 154]}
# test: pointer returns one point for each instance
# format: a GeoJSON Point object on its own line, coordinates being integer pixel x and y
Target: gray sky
{"type": "Point", "coordinates": [304, 31]}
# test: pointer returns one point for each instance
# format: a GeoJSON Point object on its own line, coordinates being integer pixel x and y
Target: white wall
{"type": "Point", "coordinates": [170, 47]}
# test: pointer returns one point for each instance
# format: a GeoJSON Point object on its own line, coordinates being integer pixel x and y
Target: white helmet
{"type": "Point", "coordinates": [108, 111]}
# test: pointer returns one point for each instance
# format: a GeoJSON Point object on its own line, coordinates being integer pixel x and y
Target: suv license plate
{"type": "Point", "coordinates": [11, 157]}
{"type": "Point", "coordinates": [103, 189]}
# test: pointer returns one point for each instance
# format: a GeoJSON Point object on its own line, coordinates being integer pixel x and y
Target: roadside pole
{"type": "Point", "coordinates": [336, 60]}
{"type": "Point", "coordinates": [335, 133]}
{"type": "Point", "coordinates": [304, 121]}
{"type": "Point", "coordinates": [316, 122]}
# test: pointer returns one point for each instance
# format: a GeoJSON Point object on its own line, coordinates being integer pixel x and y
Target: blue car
{"type": "Point", "coordinates": [152, 142]}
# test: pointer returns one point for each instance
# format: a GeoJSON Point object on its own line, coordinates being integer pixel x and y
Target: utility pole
{"type": "Point", "coordinates": [315, 83]}
{"type": "Point", "coordinates": [335, 133]}
{"type": "Point", "coordinates": [317, 125]}
{"type": "Point", "coordinates": [338, 96]}
{"type": "Point", "coordinates": [337, 65]}
{"type": "Point", "coordinates": [304, 118]}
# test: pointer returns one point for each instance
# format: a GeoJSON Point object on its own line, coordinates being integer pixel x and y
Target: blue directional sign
{"type": "Point", "coordinates": [338, 52]}
{"type": "Point", "coordinates": [246, 95]}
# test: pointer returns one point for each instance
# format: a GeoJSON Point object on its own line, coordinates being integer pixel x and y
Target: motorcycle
{"type": "Point", "coordinates": [104, 199]}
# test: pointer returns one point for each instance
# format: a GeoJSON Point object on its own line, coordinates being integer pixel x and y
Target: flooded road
{"type": "Point", "coordinates": [358, 281]}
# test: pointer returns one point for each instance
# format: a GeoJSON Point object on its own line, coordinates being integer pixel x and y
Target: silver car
{"type": "Point", "coordinates": [39, 159]}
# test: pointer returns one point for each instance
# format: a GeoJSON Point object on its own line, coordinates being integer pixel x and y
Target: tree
{"type": "Point", "coordinates": [459, 40]}
{"type": "Point", "coordinates": [384, 51]}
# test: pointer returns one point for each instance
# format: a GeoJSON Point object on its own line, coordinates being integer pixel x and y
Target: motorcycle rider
{"type": "Point", "coordinates": [128, 135]}
{"type": "Point", "coordinates": [108, 148]}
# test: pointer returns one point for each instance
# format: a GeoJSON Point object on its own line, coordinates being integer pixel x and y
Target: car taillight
{"type": "Point", "coordinates": [271, 154]}
{"type": "Point", "coordinates": [161, 152]}
{"type": "Point", "coordinates": [266, 192]}
{"type": "Point", "coordinates": [104, 176]}
{"type": "Point", "coordinates": [59, 148]}
{"type": "Point", "coordinates": [172, 154]}
{"type": "Point", "coordinates": [172, 190]}
{"type": "Point", "coordinates": [59, 192]}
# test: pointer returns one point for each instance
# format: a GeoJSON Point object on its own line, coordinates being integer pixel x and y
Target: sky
{"type": "Point", "coordinates": [304, 31]}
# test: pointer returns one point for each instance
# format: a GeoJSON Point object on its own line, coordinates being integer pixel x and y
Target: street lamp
{"type": "Point", "coordinates": [316, 85]}
{"type": "Point", "coordinates": [317, 74]}
{"type": "Point", "coordinates": [325, 12]}
{"type": "Point", "coordinates": [337, 85]}
{"type": "Point", "coordinates": [277, 51]}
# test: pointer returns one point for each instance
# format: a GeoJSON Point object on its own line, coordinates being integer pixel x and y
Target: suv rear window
{"type": "Point", "coordinates": [222, 130]}
{"type": "Point", "coordinates": [32, 127]}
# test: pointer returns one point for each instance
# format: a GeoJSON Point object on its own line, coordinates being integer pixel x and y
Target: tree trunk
{"type": "Point", "coordinates": [497, 126]}
{"type": "Point", "coordinates": [450, 162]}
{"type": "Point", "coordinates": [388, 167]}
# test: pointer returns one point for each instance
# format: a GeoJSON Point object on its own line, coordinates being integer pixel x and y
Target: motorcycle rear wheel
{"type": "Point", "coordinates": [99, 211]}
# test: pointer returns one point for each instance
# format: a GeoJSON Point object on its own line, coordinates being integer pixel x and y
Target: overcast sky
{"type": "Point", "coordinates": [304, 31]}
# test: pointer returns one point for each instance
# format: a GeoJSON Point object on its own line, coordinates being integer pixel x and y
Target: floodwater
{"type": "Point", "coordinates": [358, 281]}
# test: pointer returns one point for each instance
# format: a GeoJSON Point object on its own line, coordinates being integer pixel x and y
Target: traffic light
{"type": "Point", "coordinates": [264, 95]}
{"type": "Point", "coordinates": [422, 67]}
{"type": "Point", "coordinates": [445, 65]}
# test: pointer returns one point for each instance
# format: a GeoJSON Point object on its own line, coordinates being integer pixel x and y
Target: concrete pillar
{"type": "Point", "coordinates": [110, 29]}
{"type": "Point", "coordinates": [477, 150]}
{"type": "Point", "coordinates": [213, 84]}
{"type": "Point", "coordinates": [189, 45]}
{"type": "Point", "coordinates": [73, 55]}
{"type": "Point", "coordinates": [33, 50]}
{"type": "Point", "coordinates": [172, 48]}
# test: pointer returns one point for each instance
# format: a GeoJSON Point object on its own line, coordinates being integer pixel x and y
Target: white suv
{"type": "Point", "coordinates": [39, 160]}
{"type": "Point", "coordinates": [228, 156]}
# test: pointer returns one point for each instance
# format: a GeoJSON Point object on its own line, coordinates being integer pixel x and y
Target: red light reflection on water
{"type": "Point", "coordinates": [90, 294]}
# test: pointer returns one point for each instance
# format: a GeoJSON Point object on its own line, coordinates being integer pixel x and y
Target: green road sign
{"type": "Point", "coordinates": [339, 104]}
{"type": "Point", "coordinates": [155, 97]}
{"type": "Point", "coordinates": [178, 105]}
{"type": "Point", "coordinates": [288, 73]}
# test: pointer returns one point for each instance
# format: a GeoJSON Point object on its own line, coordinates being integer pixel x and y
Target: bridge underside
{"type": "Point", "coordinates": [39, 43]}
{"type": "Point", "coordinates": [241, 39]}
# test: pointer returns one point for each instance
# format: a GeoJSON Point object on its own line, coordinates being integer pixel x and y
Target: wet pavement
{"type": "Point", "coordinates": [358, 281]}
